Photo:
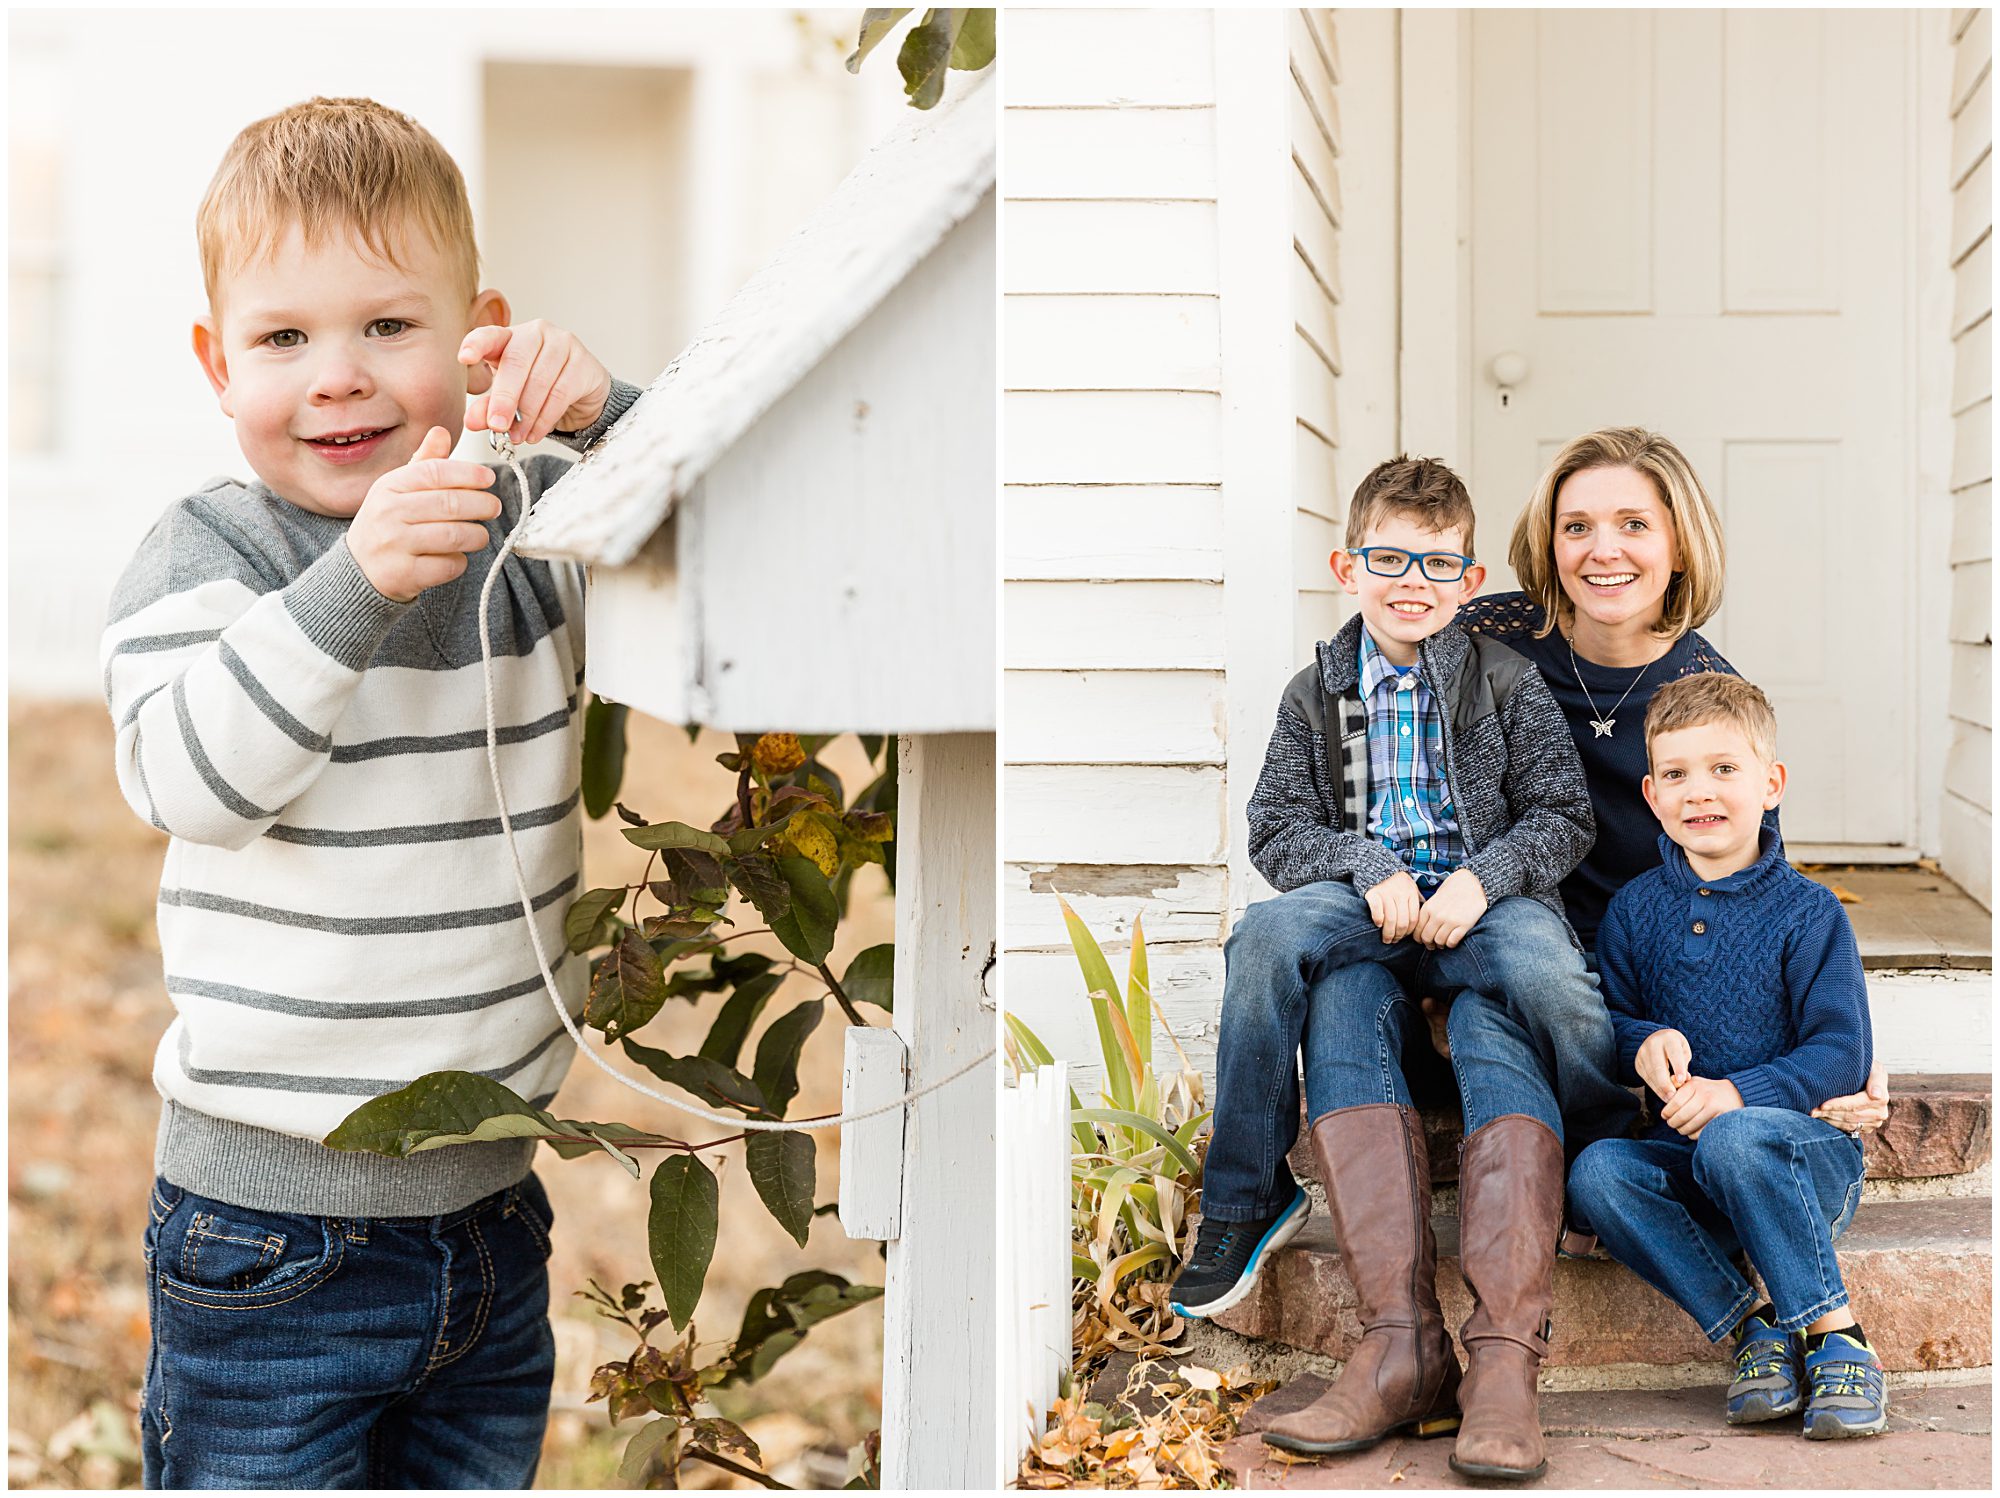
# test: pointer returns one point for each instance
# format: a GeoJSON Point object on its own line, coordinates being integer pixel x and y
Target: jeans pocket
{"type": "Point", "coordinates": [529, 1201]}
{"type": "Point", "coordinates": [225, 1257]}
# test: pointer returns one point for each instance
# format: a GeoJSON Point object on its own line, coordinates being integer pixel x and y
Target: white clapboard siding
{"type": "Point", "coordinates": [1108, 58]}
{"type": "Point", "coordinates": [1178, 902]}
{"type": "Point", "coordinates": [1115, 717]}
{"type": "Point", "coordinates": [1116, 248]}
{"type": "Point", "coordinates": [1091, 342]}
{"type": "Point", "coordinates": [1114, 814]}
{"type": "Point", "coordinates": [1114, 531]}
{"type": "Point", "coordinates": [1046, 990]}
{"type": "Point", "coordinates": [1966, 816]}
{"type": "Point", "coordinates": [1112, 437]}
{"type": "Point", "coordinates": [1110, 153]}
{"type": "Point", "coordinates": [1135, 626]}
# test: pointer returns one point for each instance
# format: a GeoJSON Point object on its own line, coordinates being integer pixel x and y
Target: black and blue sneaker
{"type": "Point", "coordinates": [1227, 1256]}
{"type": "Point", "coordinates": [1770, 1372]}
{"type": "Point", "coordinates": [1849, 1392]}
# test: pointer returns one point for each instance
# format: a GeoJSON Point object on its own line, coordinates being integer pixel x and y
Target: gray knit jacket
{"type": "Point", "coordinates": [1509, 763]}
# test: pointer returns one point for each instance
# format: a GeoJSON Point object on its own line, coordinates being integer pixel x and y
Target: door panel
{"type": "Point", "coordinates": [1699, 222]}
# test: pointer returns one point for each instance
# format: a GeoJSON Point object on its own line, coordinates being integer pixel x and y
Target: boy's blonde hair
{"type": "Point", "coordinates": [1713, 697]}
{"type": "Point", "coordinates": [1422, 488]}
{"type": "Point", "coordinates": [332, 165]}
{"type": "Point", "coordinates": [1695, 592]}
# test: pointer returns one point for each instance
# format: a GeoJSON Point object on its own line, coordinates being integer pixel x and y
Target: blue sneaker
{"type": "Point", "coordinates": [1227, 1256]}
{"type": "Point", "coordinates": [1850, 1393]}
{"type": "Point", "coordinates": [1770, 1374]}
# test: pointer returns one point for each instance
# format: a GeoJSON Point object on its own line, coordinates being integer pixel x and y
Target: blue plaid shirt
{"type": "Point", "coordinates": [1409, 809]}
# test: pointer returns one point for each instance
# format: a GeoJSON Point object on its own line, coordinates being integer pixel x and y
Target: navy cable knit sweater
{"type": "Point", "coordinates": [1759, 971]}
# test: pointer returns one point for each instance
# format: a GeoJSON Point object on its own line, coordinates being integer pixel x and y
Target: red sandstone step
{"type": "Point", "coordinates": [1939, 1125]}
{"type": "Point", "coordinates": [1920, 1274]}
{"type": "Point", "coordinates": [1640, 1440]}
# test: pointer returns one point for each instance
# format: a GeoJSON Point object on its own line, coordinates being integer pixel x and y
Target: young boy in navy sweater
{"type": "Point", "coordinates": [1737, 997]}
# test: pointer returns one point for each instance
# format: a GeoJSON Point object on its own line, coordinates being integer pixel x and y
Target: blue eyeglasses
{"type": "Point", "coordinates": [1393, 561]}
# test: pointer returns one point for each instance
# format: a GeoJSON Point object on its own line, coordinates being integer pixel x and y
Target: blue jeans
{"type": "Point", "coordinates": [1540, 1043]}
{"type": "Point", "coordinates": [296, 1351]}
{"type": "Point", "coordinates": [1779, 1186]}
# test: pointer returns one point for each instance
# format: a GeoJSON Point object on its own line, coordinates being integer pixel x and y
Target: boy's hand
{"type": "Point", "coordinates": [531, 380]}
{"type": "Point", "coordinates": [1453, 909]}
{"type": "Point", "coordinates": [418, 522]}
{"type": "Point", "coordinates": [1394, 905]}
{"type": "Point", "coordinates": [1700, 1099]}
{"type": "Point", "coordinates": [1662, 1063]}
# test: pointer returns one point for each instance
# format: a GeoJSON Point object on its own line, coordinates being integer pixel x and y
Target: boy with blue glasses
{"type": "Point", "coordinates": [1736, 991]}
{"type": "Point", "coordinates": [1420, 800]}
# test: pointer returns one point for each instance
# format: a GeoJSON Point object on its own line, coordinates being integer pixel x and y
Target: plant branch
{"type": "Point", "coordinates": [840, 995]}
{"type": "Point", "coordinates": [716, 1459]}
{"type": "Point", "coordinates": [743, 793]}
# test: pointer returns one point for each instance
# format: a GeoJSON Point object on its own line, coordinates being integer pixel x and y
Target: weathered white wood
{"type": "Point", "coordinates": [1367, 406]}
{"type": "Point", "coordinates": [938, 1333]}
{"type": "Point", "coordinates": [1972, 290]}
{"type": "Point", "coordinates": [1433, 352]}
{"type": "Point", "coordinates": [1120, 248]}
{"type": "Point", "coordinates": [894, 209]}
{"type": "Point", "coordinates": [1972, 366]}
{"type": "Point", "coordinates": [1972, 208]}
{"type": "Point", "coordinates": [1972, 684]}
{"type": "Point", "coordinates": [875, 1070]}
{"type": "Point", "coordinates": [1309, 57]}
{"type": "Point", "coordinates": [1972, 604]}
{"type": "Point", "coordinates": [1260, 399]}
{"type": "Point", "coordinates": [1180, 903]}
{"type": "Point", "coordinates": [1112, 343]}
{"type": "Point", "coordinates": [1036, 1345]}
{"type": "Point", "coordinates": [1114, 531]}
{"type": "Point", "coordinates": [1115, 813]}
{"type": "Point", "coordinates": [1157, 56]}
{"type": "Point", "coordinates": [1972, 446]}
{"type": "Point", "coordinates": [1314, 538]}
{"type": "Point", "coordinates": [1968, 771]}
{"type": "Point", "coordinates": [1110, 153]}
{"type": "Point", "coordinates": [1972, 59]}
{"type": "Point", "coordinates": [1113, 437]}
{"type": "Point", "coordinates": [1132, 625]}
{"type": "Point", "coordinates": [1966, 852]}
{"type": "Point", "coordinates": [1972, 131]}
{"type": "Point", "coordinates": [1046, 990]}
{"type": "Point", "coordinates": [1115, 717]}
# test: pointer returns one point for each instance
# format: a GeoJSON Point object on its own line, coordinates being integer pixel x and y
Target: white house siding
{"type": "Point", "coordinates": [1172, 352]}
{"type": "Point", "coordinates": [1966, 823]}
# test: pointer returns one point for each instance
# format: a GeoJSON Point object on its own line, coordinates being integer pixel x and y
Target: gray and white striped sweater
{"type": "Point", "coordinates": [337, 911]}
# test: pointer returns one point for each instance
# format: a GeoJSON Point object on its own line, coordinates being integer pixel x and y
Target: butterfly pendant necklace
{"type": "Point", "coordinates": [1603, 723]}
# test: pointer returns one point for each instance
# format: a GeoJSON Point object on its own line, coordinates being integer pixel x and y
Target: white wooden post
{"type": "Point", "coordinates": [938, 1324]}
{"type": "Point", "coordinates": [1037, 1341]}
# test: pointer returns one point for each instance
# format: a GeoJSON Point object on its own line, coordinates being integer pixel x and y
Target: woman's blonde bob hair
{"type": "Point", "coordinates": [329, 165]}
{"type": "Point", "coordinates": [1695, 592]}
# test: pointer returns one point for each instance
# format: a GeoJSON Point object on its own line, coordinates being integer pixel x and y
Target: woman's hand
{"type": "Point", "coordinates": [1867, 1109]}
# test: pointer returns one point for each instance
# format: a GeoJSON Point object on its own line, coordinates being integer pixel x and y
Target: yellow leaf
{"type": "Point", "coordinates": [807, 831]}
{"type": "Point", "coordinates": [778, 753]}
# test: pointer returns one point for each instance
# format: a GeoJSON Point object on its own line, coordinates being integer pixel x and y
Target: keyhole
{"type": "Point", "coordinates": [1506, 399]}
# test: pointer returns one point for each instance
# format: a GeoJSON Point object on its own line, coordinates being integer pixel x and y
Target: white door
{"type": "Point", "coordinates": [1699, 222]}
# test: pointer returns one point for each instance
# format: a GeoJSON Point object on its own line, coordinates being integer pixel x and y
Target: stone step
{"type": "Point", "coordinates": [1920, 1274]}
{"type": "Point", "coordinates": [1940, 1124]}
{"type": "Point", "coordinates": [1645, 1439]}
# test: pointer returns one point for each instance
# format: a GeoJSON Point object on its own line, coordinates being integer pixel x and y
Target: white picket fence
{"type": "Point", "coordinates": [1034, 1252]}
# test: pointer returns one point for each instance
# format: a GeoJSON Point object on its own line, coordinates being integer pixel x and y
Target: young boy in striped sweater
{"type": "Point", "coordinates": [293, 665]}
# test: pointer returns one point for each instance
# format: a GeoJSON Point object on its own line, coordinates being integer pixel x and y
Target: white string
{"type": "Point", "coordinates": [505, 448]}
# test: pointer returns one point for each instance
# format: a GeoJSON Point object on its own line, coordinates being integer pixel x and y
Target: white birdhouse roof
{"type": "Point", "coordinates": [891, 211]}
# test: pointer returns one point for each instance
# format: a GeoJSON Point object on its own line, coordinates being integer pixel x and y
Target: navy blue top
{"type": "Point", "coordinates": [1628, 833]}
{"type": "Point", "coordinates": [1759, 971]}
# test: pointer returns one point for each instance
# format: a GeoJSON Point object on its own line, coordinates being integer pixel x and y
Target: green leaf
{"type": "Point", "coordinates": [926, 54]}
{"type": "Point", "coordinates": [1125, 1118]}
{"type": "Point", "coordinates": [762, 885]}
{"type": "Point", "coordinates": [871, 745]}
{"type": "Point", "coordinates": [752, 838]}
{"type": "Point", "coordinates": [705, 1079]}
{"type": "Point", "coordinates": [875, 24]}
{"type": "Point", "coordinates": [976, 44]}
{"type": "Point", "coordinates": [807, 926]}
{"type": "Point", "coordinates": [653, 1448]}
{"type": "Point", "coordinates": [603, 754]}
{"type": "Point", "coordinates": [782, 1168]}
{"type": "Point", "coordinates": [732, 1025]}
{"type": "Point", "coordinates": [777, 1070]}
{"type": "Point", "coordinates": [676, 835]}
{"type": "Point", "coordinates": [871, 976]}
{"type": "Point", "coordinates": [1102, 988]}
{"type": "Point", "coordinates": [587, 923]}
{"type": "Point", "coordinates": [680, 1231]}
{"type": "Point", "coordinates": [697, 876]}
{"type": "Point", "coordinates": [456, 1107]}
{"type": "Point", "coordinates": [778, 1317]}
{"type": "Point", "coordinates": [629, 989]}
{"type": "Point", "coordinates": [1139, 995]}
{"type": "Point", "coordinates": [723, 1436]}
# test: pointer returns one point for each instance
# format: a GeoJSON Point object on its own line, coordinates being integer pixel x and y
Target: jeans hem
{"type": "Point", "coordinates": [1720, 1330]}
{"type": "Point", "coordinates": [1805, 1318]}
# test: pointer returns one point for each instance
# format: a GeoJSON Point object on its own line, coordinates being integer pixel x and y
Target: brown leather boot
{"type": "Point", "coordinates": [1510, 1181]}
{"type": "Point", "coordinates": [1402, 1375]}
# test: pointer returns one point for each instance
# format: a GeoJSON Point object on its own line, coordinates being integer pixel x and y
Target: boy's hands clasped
{"type": "Point", "coordinates": [1688, 1103]}
{"type": "Point", "coordinates": [1454, 908]}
